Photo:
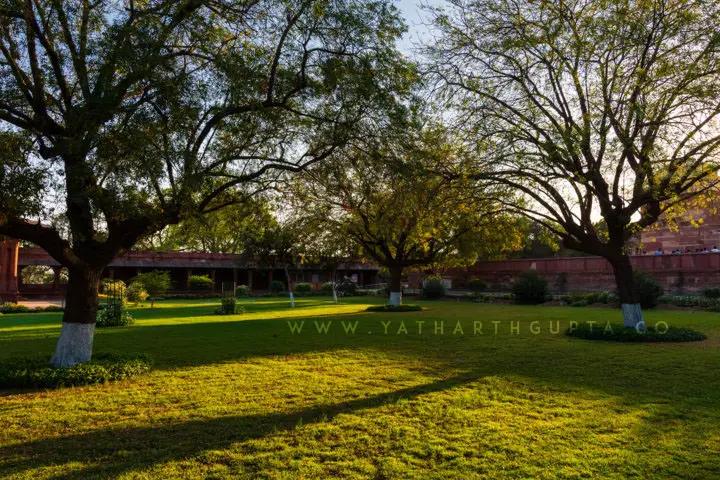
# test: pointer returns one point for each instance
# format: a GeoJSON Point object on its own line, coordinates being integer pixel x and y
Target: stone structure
{"type": "Point", "coordinates": [222, 268]}
{"type": "Point", "coordinates": [686, 237]}
{"type": "Point", "coordinates": [679, 274]}
{"type": "Point", "coordinates": [8, 270]}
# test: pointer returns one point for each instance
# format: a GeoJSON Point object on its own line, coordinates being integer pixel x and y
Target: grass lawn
{"type": "Point", "coordinates": [244, 397]}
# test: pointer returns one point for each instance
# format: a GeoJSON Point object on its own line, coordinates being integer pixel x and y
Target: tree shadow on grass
{"type": "Point", "coordinates": [114, 451]}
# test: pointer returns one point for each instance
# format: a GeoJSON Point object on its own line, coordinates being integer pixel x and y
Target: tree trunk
{"type": "Point", "coordinates": [78, 326]}
{"type": "Point", "coordinates": [334, 279]}
{"type": "Point", "coordinates": [292, 298]}
{"type": "Point", "coordinates": [395, 286]}
{"type": "Point", "coordinates": [627, 291]}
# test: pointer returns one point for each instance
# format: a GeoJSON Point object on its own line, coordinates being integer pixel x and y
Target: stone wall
{"type": "Point", "coordinates": [679, 274]}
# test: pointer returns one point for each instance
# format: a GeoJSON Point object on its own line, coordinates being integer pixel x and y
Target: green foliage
{"type": "Point", "coordinates": [476, 285]}
{"type": "Point", "coordinates": [303, 288]}
{"type": "Point", "coordinates": [136, 292]}
{"type": "Point", "coordinates": [433, 288]}
{"type": "Point", "coordinates": [37, 373]}
{"type": "Point", "coordinates": [531, 288]}
{"type": "Point", "coordinates": [156, 283]}
{"type": "Point", "coordinates": [113, 287]}
{"type": "Point", "coordinates": [9, 307]}
{"type": "Point", "coordinates": [711, 292]}
{"type": "Point", "coordinates": [348, 288]}
{"type": "Point", "coordinates": [395, 308]}
{"type": "Point", "coordinates": [230, 306]}
{"type": "Point", "coordinates": [114, 315]}
{"type": "Point", "coordinates": [648, 288]}
{"type": "Point", "coordinates": [276, 287]}
{"type": "Point", "coordinates": [327, 288]}
{"type": "Point", "coordinates": [200, 283]}
{"type": "Point", "coordinates": [621, 333]}
{"type": "Point", "coordinates": [242, 291]}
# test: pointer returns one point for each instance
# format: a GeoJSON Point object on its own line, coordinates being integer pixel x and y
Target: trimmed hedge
{"type": "Point", "coordinates": [8, 307]}
{"type": "Point", "coordinates": [621, 333]}
{"type": "Point", "coordinates": [242, 291]}
{"type": "Point", "coordinates": [391, 308]}
{"type": "Point", "coordinates": [37, 373]}
{"type": "Point", "coordinates": [200, 283]}
{"type": "Point", "coordinates": [303, 288]}
{"type": "Point", "coordinates": [276, 287]}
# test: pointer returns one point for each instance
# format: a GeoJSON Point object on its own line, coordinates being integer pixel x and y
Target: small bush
{"type": "Point", "coordinates": [391, 308]}
{"type": "Point", "coordinates": [230, 306]}
{"type": "Point", "coordinates": [347, 288]}
{"type": "Point", "coordinates": [242, 291]}
{"type": "Point", "coordinates": [621, 333]}
{"type": "Point", "coordinates": [433, 288]}
{"type": "Point", "coordinates": [303, 288]}
{"type": "Point", "coordinates": [531, 289]}
{"type": "Point", "coordinates": [648, 289]}
{"type": "Point", "coordinates": [200, 283]}
{"type": "Point", "coordinates": [476, 285]}
{"type": "Point", "coordinates": [711, 292]}
{"type": "Point", "coordinates": [37, 373]}
{"type": "Point", "coordinates": [327, 288]}
{"type": "Point", "coordinates": [136, 293]}
{"type": "Point", "coordinates": [114, 315]}
{"type": "Point", "coordinates": [277, 287]}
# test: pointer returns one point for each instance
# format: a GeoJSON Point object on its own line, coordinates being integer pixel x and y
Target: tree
{"type": "Point", "coordinates": [590, 110]}
{"type": "Point", "coordinates": [278, 246]}
{"type": "Point", "coordinates": [222, 231]}
{"type": "Point", "coordinates": [388, 196]}
{"type": "Point", "coordinates": [156, 283]}
{"type": "Point", "coordinates": [132, 116]}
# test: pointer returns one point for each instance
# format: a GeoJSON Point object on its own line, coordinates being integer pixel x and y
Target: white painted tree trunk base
{"type": "Point", "coordinates": [75, 344]}
{"type": "Point", "coordinates": [395, 298]}
{"type": "Point", "coordinates": [334, 295]}
{"type": "Point", "coordinates": [292, 300]}
{"type": "Point", "coordinates": [632, 316]}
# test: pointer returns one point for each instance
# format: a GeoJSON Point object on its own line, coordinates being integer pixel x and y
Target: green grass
{"type": "Point", "coordinates": [243, 397]}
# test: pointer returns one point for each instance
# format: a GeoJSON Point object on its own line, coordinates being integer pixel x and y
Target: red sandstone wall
{"type": "Point", "coordinates": [687, 273]}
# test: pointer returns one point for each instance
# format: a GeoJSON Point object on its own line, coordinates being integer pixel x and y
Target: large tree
{"type": "Point", "coordinates": [590, 110]}
{"type": "Point", "coordinates": [141, 114]}
{"type": "Point", "coordinates": [391, 195]}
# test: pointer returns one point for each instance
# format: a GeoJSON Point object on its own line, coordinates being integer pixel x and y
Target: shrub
{"type": "Point", "coordinates": [7, 307]}
{"type": "Point", "coordinates": [648, 289]}
{"type": "Point", "coordinates": [711, 292]}
{"type": "Point", "coordinates": [531, 289]}
{"type": "Point", "coordinates": [303, 288]}
{"type": "Point", "coordinates": [200, 283]}
{"type": "Point", "coordinates": [37, 373]}
{"type": "Point", "coordinates": [348, 288]}
{"type": "Point", "coordinates": [242, 291]}
{"type": "Point", "coordinates": [277, 287]}
{"type": "Point", "coordinates": [136, 293]}
{"type": "Point", "coordinates": [229, 306]}
{"type": "Point", "coordinates": [621, 333]}
{"type": "Point", "coordinates": [433, 288]}
{"type": "Point", "coordinates": [390, 308]}
{"type": "Point", "coordinates": [476, 285]}
{"type": "Point", "coordinates": [327, 288]}
{"type": "Point", "coordinates": [114, 315]}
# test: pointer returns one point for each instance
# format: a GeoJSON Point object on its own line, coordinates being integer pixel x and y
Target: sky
{"type": "Point", "coordinates": [414, 18]}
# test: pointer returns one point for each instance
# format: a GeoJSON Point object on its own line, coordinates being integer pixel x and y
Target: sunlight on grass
{"type": "Point", "coordinates": [244, 397]}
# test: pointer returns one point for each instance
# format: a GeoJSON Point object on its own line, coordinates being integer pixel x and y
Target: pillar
{"type": "Point", "coordinates": [187, 281]}
{"type": "Point", "coordinates": [250, 280]}
{"type": "Point", "coordinates": [9, 285]}
{"type": "Point", "coordinates": [212, 275]}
